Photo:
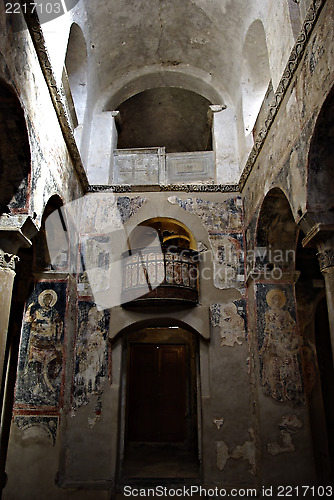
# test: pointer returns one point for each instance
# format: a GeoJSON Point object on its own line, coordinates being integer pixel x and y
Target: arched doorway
{"type": "Point", "coordinates": [160, 437]}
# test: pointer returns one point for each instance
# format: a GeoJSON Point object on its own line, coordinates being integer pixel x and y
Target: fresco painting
{"type": "Point", "coordinates": [279, 344]}
{"type": "Point", "coordinates": [91, 353]}
{"type": "Point", "coordinates": [40, 368]}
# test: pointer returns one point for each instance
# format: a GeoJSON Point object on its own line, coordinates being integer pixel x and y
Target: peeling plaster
{"type": "Point", "coordinates": [288, 425]}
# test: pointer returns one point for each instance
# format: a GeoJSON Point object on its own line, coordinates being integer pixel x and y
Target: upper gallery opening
{"type": "Point", "coordinates": [170, 117]}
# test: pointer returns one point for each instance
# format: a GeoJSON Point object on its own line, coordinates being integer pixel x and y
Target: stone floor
{"type": "Point", "coordinates": [151, 461]}
{"type": "Point", "coordinates": [146, 467]}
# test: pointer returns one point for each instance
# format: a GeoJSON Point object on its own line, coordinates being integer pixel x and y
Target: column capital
{"type": "Point", "coordinates": [8, 260]}
{"type": "Point", "coordinates": [326, 259]}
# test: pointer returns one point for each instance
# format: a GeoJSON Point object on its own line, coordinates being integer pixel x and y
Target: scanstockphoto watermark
{"type": "Point", "coordinates": [189, 491]}
{"type": "Point", "coordinates": [45, 10]}
{"type": "Point", "coordinates": [90, 236]}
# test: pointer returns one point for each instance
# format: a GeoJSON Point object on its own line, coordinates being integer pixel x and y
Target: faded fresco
{"type": "Point", "coordinates": [103, 212]}
{"type": "Point", "coordinates": [223, 222]}
{"type": "Point", "coordinates": [40, 367]}
{"type": "Point", "coordinates": [91, 353]}
{"type": "Point", "coordinates": [102, 239]}
{"type": "Point", "coordinates": [279, 343]}
{"type": "Point", "coordinates": [216, 216]}
{"type": "Point", "coordinates": [231, 320]}
{"type": "Point", "coordinates": [40, 428]}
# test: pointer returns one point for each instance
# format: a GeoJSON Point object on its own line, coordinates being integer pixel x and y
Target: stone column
{"type": "Point", "coordinates": [321, 236]}
{"type": "Point", "coordinates": [326, 262]}
{"type": "Point", "coordinates": [15, 232]}
{"type": "Point", "coordinates": [7, 275]}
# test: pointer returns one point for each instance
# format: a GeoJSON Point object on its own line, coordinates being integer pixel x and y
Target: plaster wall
{"type": "Point", "coordinates": [283, 159]}
{"type": "Point", "coordinates": [51, 166]}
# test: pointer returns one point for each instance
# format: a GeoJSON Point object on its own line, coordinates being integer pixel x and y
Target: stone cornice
{"type": "Point", "coordinates": [186, 188]}
{"type": "Point", "coordinates": [38, 40]}
{"type": "Point", "coordinates": [289, 71]}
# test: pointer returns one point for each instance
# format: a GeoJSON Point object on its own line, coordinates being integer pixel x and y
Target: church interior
{"type": "Point", "coordinates": [166, 247]}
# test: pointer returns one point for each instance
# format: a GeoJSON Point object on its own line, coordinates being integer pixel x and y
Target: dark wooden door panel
{"type": "Point", "coordinates": [157, 393]}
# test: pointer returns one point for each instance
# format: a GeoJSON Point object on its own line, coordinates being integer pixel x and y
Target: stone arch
{"type": "Point", "coordinates": [75, 75]}
{"type": "Point", "coordinates": [14, 153]}
{"type": "Point", "coordinates": [276, 233]}
{"type": "Point", "coordinates": [187, 78]}
{"type": "Point", "coordinates": [129, 325]}
{"type": "Point", "coordinates": [256, 76]}
{"type": "Point", "coordinates": [320, 161]}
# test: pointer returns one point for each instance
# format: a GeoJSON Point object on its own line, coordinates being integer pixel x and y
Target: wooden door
{"type": "Point", "coordinates": [157, 393]}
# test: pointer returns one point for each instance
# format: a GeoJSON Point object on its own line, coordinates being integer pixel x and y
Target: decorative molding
{"type": "Point", "coordinates": [186, 188]}
{"type": "Point", "coordinates": [38, 40]}
{"type": "Point", "coordinates": [290, 68]}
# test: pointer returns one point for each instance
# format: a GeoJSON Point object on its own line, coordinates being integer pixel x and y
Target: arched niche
{"type": "Point", "coordinates": [14, 153]}
{"type": "Point", "coordinates": [170, 232]}
{"type": "Point", "coordinates": [256, 77]}
{"type": "Point", "coordinates": [276, 233]}
{"type": "Point", "coordinates": [174, 118]}
{"type": "Point", "coordinates": [75, 75]}
{"type": "Point", "coordinates": [320, 162]}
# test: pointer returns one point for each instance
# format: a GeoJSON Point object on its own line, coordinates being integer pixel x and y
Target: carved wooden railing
{"type": "Point", "coordinates": [160, 275]}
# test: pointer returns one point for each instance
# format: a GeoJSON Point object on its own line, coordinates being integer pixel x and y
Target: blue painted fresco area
{"type": "Point", "coordinates": [40, 367]}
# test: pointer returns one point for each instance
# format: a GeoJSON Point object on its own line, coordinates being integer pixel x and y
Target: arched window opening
{"type": "Point", "coordinates": [256, 78]}
{"type": "Point", "coordinates": [75, 76]}
{"type": "Point", "coordinates": [14, 151]}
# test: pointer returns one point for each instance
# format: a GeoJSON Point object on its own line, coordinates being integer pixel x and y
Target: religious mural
{"type": "Point", "coordinates": [91, 352]}
{"type": "Point", "coordinates": [279, 344]}
{"type": "Point", "coordinates": [103, 240]}
{"type": "Point", "coordinates": [230, 318]}
{"type": "Point", "coordinates": [216, 216]}
{"type": "Point", "coordinates": [223, 222]}
{"type": "Point", "coordinates": [40, 367]}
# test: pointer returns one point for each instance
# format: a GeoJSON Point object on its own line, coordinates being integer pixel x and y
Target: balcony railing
{"type": "Point", "coordinates": [160, 275]}
{"type": "Point", "coordinates": [153, 166]}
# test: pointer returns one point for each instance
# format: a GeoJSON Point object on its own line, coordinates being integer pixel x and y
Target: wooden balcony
{"type": "Point", "coordinates": [158, 276]}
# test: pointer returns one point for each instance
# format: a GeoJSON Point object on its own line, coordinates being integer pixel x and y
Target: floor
{"type": "Point", "coordinates": [144, 461]}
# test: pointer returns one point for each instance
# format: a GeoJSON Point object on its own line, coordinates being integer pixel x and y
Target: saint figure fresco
{"type": "Point", "coordinates": [281, 372]}
{"type": "Point", "coordinates": [45, 346]}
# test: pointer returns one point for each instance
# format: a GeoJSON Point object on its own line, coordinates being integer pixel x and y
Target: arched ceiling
{"type": "Point", "coordinates": [199, 36]}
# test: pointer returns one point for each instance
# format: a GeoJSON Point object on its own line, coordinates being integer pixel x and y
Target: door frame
{"type": "Point", "coordinates": [163, 335]}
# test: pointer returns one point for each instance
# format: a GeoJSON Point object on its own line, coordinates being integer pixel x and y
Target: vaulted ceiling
{"type": "Point", "coordinates": [199, 39]}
